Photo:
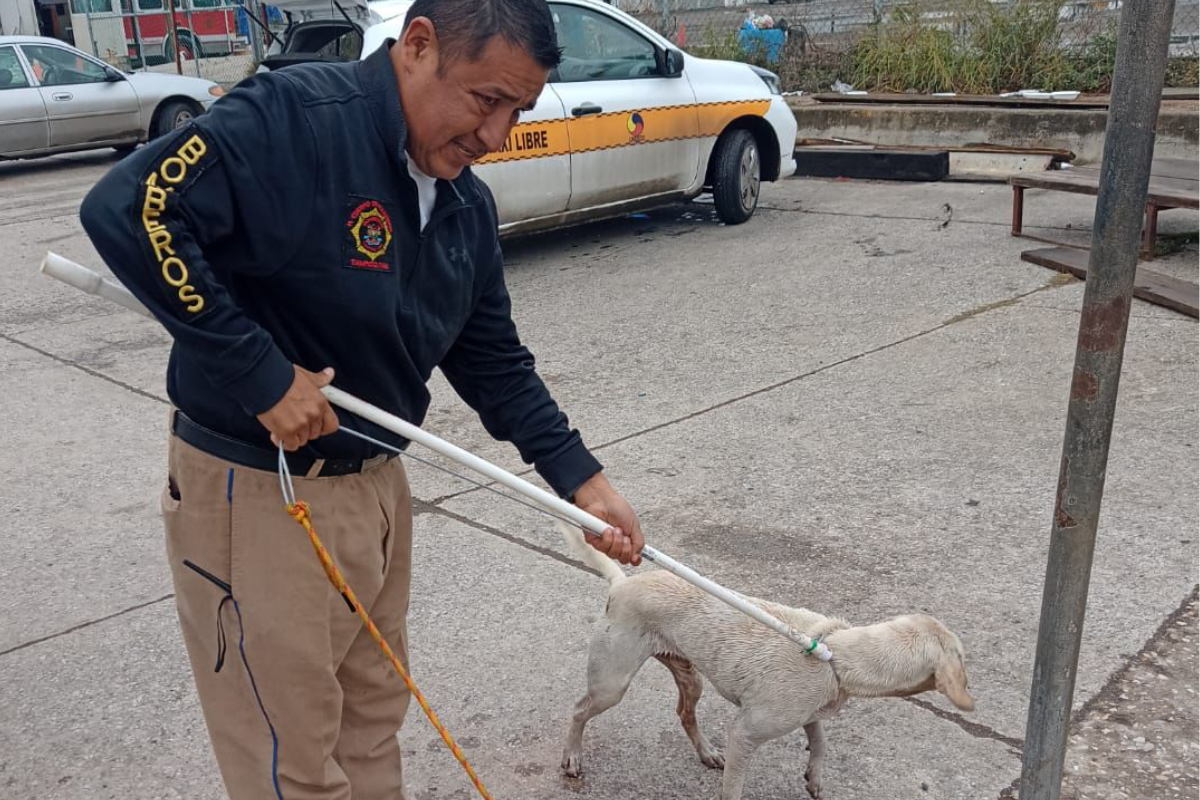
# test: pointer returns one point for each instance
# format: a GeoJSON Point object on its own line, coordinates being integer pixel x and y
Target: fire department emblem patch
{"type": "Point", "coordinates": [370, 230]}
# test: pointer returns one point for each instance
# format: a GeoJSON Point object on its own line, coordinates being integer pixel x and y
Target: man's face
{"type": "Point", "coordinates": [458, 110]}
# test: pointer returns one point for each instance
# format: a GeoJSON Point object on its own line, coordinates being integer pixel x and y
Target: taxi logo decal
{"type": "Point", "coordinates": [635, 125]}
{"type": "Point", "coordinates": [370, 230]}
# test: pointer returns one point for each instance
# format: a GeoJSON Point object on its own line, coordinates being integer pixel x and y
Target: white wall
{"type": "Point", "coordinates": [18, 17]}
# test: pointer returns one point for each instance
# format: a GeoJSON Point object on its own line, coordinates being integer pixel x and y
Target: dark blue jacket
{"type": "Point", "coordinates": [282, 226]}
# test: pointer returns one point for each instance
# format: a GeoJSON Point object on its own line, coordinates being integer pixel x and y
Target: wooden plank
{"type": "Point", "coordinates": [1153, 287]}
{"type": "Point", "coordinates": [1067, 181]}
{"type": "Point", "coordinates": [1185, 168]}
{"type": "Point", "coordinates": [1182, 169]}
{"type": "Point", "coordinates": [1180, 94]}
{"type": "Point", "coordinates": [1165, 182]}
{"type": "Point", "coordinates": [1083, 101]}
{"type": "Point", "coordinates": [1163, 192]}
{"type": "Point", "coordinates": [1174, 193]}
{"type": "Point", "coordinates": [961, 99]}
{"type": "Point", "coordinates": [854, 144]}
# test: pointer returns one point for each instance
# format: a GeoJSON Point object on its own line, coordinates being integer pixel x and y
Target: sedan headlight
{"type": "Point", "coordinates": [769, 78]}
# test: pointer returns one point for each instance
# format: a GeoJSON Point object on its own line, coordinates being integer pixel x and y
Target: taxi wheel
{"type": "Point", "coordinates": [737, 175]}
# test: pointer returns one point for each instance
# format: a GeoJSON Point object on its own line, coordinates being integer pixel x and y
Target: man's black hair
{"type": "Point", "coordinates": [464, 27]}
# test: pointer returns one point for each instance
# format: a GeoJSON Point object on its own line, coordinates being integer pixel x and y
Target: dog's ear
{"type": "Point", "coordinates": [951, 678]}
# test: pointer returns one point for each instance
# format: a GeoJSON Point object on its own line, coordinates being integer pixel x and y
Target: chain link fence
{"type": "Point", "coordinates": [221, 40]}
{"type": "Point", "coordinates": [965, 46]}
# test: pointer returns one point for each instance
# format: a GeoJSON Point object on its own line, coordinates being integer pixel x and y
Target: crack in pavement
{"type": "Point", "coordinates": [979, 731]}
{"type": "Point", "coordinates": [83, 625]}
{"type": "Point", "coordinates": [49, 326]}
{"type": "Point", "coordinates": [423, 507]}
{"type": "Point", "coordinates": [1053, 283]}
{"type": "Point", "coordinates": [39, 218]}
{"type": "Point", "coordinates": [1159, 632]}
{"type": "Point", "coordinates": [897, 217]}
{"type": "Point", "coordinates": [1108, 689]}
{"type": "Point", "coordinates": [94, 373]}
{"type": "Point", "coordinates": [420, 507]}
{"type": "Point", "coordinates": [1145, 316]}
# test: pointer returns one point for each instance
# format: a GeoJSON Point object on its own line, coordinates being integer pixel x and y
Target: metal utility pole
{"type": "Point", "coordinates": [174, 36]}
{"type": "Point", "coordinates": [1116, 234]}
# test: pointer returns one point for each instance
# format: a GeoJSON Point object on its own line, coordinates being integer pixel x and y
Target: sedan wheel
{"type": "Point", "coordinates": [181, 118]}
{"type": "Point", "coordinates": [172, 117]}
{"type": "Point", "coordinates": [749, 178]}
{"type": "Point", "coordinates": [737, 176]}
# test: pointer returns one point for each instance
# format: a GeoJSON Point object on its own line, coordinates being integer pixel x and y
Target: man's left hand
{"type": "Point", "coordinates": [623, 541]}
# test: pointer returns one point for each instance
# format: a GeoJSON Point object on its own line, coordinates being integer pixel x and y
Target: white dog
{"type": "Point", "coordinates": [775, 685]}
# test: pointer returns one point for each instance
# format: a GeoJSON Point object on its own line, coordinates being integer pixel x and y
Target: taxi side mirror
{"type": "Point", "coordinates": [670, 63]}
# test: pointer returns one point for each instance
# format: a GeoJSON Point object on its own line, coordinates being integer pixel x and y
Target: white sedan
{"type": "Point", "coordinates": [629, 122]}
{"type": "Point", "coordinates": [54, 99]}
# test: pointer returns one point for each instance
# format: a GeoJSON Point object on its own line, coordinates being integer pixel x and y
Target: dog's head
{"type": "Point", "coordinates": [935, 659]}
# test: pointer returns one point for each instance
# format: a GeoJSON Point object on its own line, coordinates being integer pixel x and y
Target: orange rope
{"type": "Point", "coordinates": [300, 512]}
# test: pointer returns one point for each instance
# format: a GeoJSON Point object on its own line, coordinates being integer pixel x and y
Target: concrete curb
{"type": "Point", "coordinates": [1078, 130]}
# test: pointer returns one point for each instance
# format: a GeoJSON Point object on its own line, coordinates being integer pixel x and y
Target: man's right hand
{"type": "Point", "coordinates": [303, 414]}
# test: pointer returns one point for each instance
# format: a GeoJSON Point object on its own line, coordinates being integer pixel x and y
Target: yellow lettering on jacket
{"type": "Point", "coordinates": [172, 170]}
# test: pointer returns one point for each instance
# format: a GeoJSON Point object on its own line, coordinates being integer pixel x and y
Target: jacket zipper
{"type": "Point", "coordinates": [436, 218]}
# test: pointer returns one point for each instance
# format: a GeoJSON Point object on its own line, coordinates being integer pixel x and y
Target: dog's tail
{"type": "Point", "coordinates": [589, 555]}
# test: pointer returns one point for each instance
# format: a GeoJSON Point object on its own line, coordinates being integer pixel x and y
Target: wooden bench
{"type": "Point", "coordinates": [1173, 184]}
{"type": "Point", "coordinates": [1152, 287]}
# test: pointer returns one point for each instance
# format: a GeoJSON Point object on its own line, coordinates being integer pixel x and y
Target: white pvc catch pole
{"type": "Point", "coordinates": [572, 512]}
{"type": "Point", "coordinates": [83, 278]}
{"type": "Point", "coordinates": [90, 282]}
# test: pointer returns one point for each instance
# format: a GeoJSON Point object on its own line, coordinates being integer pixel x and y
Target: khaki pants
{"type": "Point", "coordinates": [304, 705]}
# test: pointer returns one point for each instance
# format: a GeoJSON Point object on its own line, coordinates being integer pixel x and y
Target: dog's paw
{"type": "Point", "coordinates": [713, 758]}
{"type": "Point", "coordinates": [813, 786]}
{"type": "Point", "coordinates": [572, 765]}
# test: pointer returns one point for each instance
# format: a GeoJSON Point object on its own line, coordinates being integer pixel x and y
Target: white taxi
{"type": "Point", "coordinates": [628, 122]}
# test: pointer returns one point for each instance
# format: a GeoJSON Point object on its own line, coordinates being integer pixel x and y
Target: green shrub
{"type": "Point", "coordinates": [905, 53]}
{"type": "Point", "coordinates": [964, 46]}
{"type": "Point", "coordinates": [990, 48]}
{"type": "Point", "coordinates": [1183, 71]}
{"type": "Point", "coordinates": [1092, 68]}
{"type": "Point", "coordinates": [1016, 47]}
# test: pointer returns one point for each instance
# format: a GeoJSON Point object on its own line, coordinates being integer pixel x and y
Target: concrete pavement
{"type": "Point", "coordinates": [849, 404]}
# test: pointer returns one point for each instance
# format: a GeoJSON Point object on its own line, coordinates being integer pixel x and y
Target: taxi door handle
{"type": "Point", "coordinates": [62, 95]}
{"type": "Point", "coordinates": [585, 109]}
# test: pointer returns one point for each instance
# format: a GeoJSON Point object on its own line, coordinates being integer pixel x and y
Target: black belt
{"type": "Point", "coordinates": [248, 455]}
